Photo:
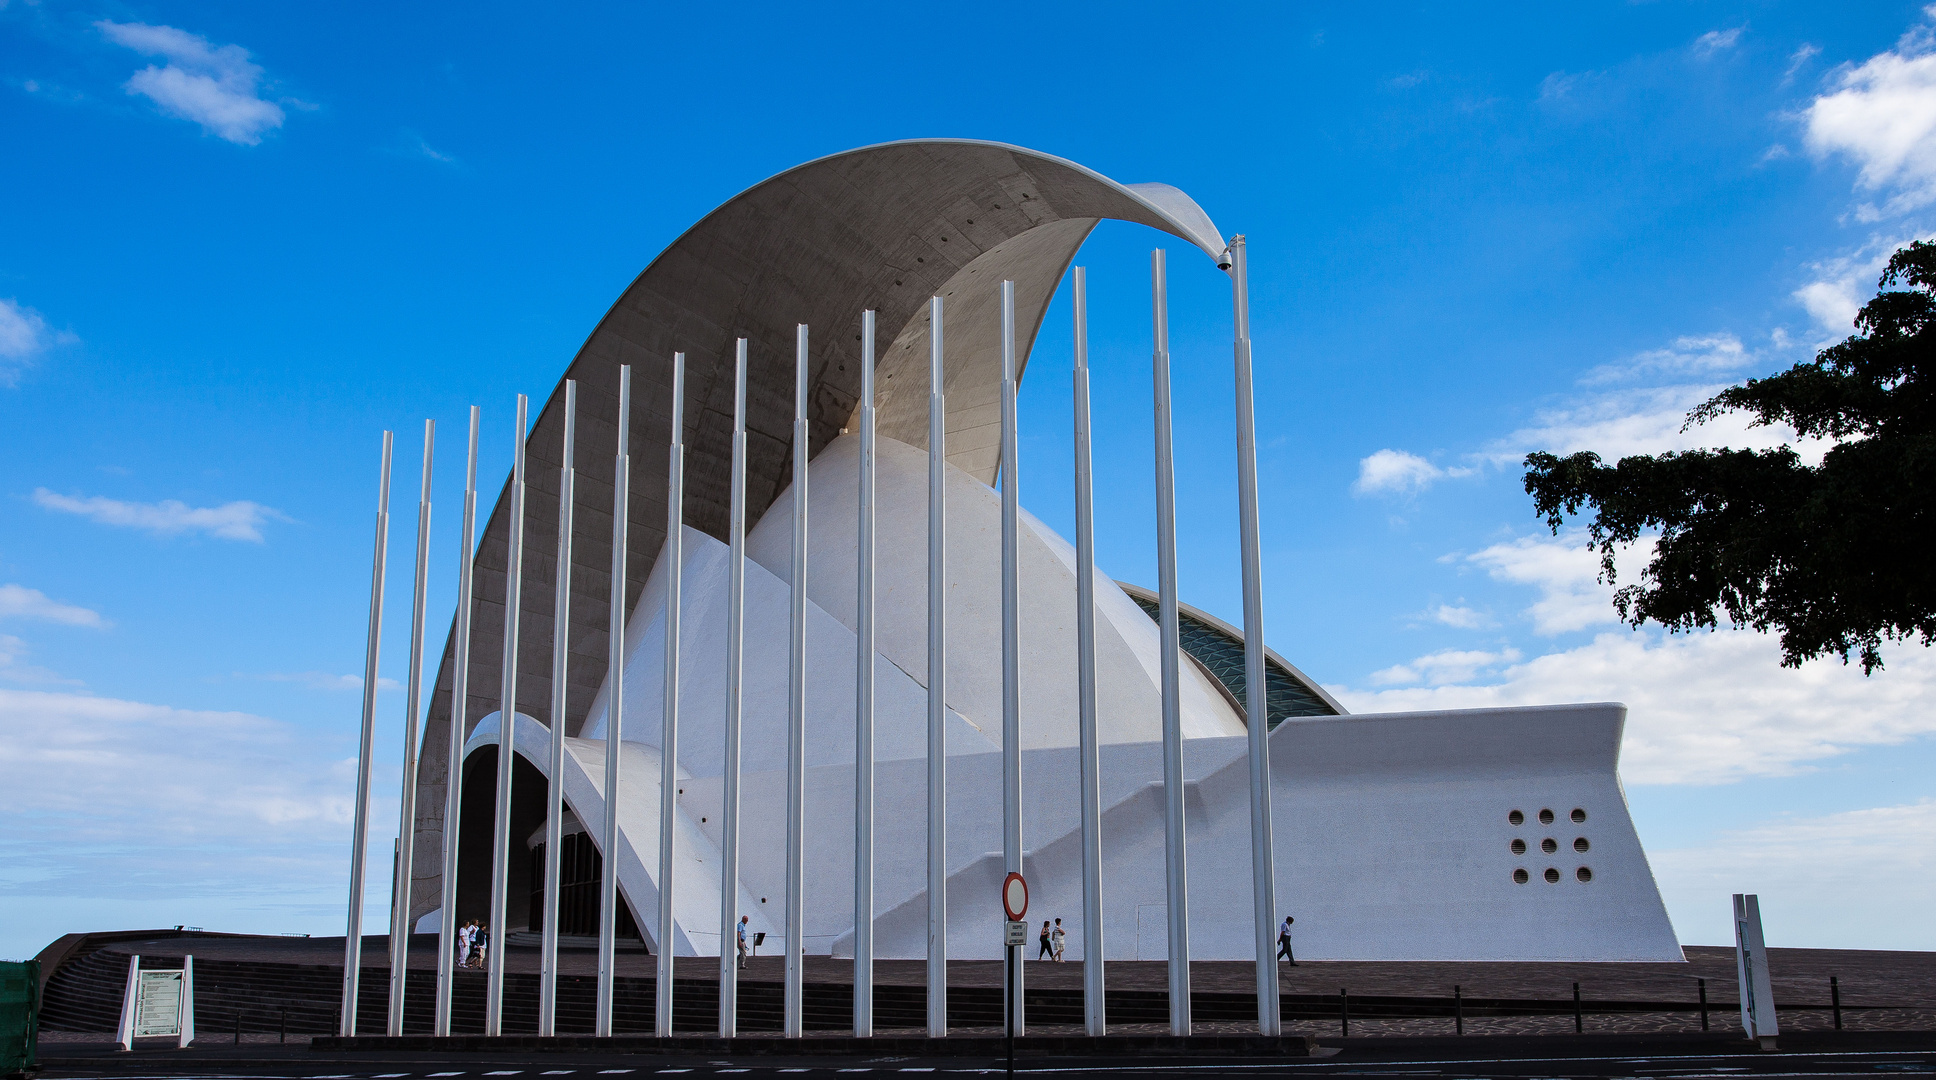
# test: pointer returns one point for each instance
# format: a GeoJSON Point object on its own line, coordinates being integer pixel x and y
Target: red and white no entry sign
{"type": "Point", "coordinates": [1015, 897]}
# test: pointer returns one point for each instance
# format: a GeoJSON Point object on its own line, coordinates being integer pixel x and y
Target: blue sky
{"type": "Point", "coordinates": [243, 240]}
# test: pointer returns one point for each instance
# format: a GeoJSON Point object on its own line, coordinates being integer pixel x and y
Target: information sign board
{"type": "Point", "coordinates": [158, 1008]}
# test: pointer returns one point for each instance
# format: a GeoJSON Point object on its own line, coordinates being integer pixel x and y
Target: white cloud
{"type": "Point", "coordinates": [1699, 357]}
{"type": "Point", "coordinates": [20, 602]}
{"type": "Point", "coordinates": [1620, 423]}
{"type": "Point", "coordinates": [23, 337]}
{"type": "Point", "coordinates": [15, 669]}
{"type": "Point", "coordinates": [1560, 85]}
{"type": "Point", "coordinates": [1881, 114]}
{"type": "Point", "coordinates": [1705, 708]}
{"type": "Point", "coordinates": [215, 86]}
{"type": "Point", "coordinates": [321, 680]}
{"type": "Point", "coordinates": [1843, 283]}
{"type": "Point", "coordinates": [1565, 571]}
{"type": "Point", "coordinates": [106, 796]}
{"type": "Point", "coordinates": [1859, 879]}
{"type": "Point", "coordinates": [1445, 667]}
{"type": "Point", "coordinates": [433, 153]}
{"type": "Point", "coordinates": [1463, 617]}
{"type": "Point", "coordinates": [1799, 57]}
{"type": "Point", "coordinates": [240, 520]}
{"type": "Point", "coordinates": [1715, 41]}
{"type": "Point", "coordinates": [1396, 472]}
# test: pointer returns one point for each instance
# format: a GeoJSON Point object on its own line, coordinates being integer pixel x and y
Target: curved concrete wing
{"type": "Point", "coordinates": [884, 227]}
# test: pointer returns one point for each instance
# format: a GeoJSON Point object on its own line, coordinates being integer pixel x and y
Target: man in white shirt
{"type": "Point", "coordinates": [1284, 942]}
{"type": "Point", "coordinates": [742, 941]}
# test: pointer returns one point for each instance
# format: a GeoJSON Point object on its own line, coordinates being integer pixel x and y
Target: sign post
{"type": "Point", "coordinates": [1014, 937]}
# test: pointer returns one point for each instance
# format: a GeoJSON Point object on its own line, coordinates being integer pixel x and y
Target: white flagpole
{"type": "Point", "coordinates": [669, 739]}
{"type": "Point", "coordinates": [1092, 947]}
{"type": "Point", "coordinates": [454, 765]}
{"type": "Point", "coordinates": [735, 663]}
{"type": "Point", "coordinates": [1175, 863]}
{"type": "Point", "coordinates": [1262, 855]}
{"type": "Point", "coordinates": [797, 706]}
{"type": "Point", "coordinates": [506, 739]}
{"type": "Point", "coordinates": [353, 938]}
{"type": "Point", "coordinates": [407, 827]}
{"type": "Point", "coordinates": [608, 899]}
{"type": "Point", "coordinates": [864, 702]}
{"type": "Point", "coordinates": [555, 789]}
{"type": "Point", "coordinates": [1011, 636]}
{"type": "Point", "coordinates": [937, 684]}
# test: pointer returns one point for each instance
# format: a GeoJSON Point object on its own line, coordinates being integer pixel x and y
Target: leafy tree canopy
{"type": "Point", "coordinates": [1839, 556]}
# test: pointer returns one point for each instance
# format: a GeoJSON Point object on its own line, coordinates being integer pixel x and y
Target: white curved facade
{"type": "Point", "coordinates": [1392, 832]}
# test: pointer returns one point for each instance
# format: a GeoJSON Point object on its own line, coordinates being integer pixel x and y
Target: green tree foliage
{"type": "Point", "coordinates": [1840, 556]}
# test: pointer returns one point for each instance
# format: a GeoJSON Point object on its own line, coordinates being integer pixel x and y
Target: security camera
{"type": "Point", "coordinates": [1224, 260]}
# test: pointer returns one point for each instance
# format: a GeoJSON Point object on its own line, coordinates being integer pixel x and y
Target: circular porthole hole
{"type": "Point", "coordinates": [1579, 816]}
{"type": "Point", "coordinates": [1552, 876]}
{"type": "Point", "coordinates": [1580, 845]}
{"type": "Point", "coordinates": [1549, 845]}
{"type": "Point", "coordinates": [1583, 874]}
{"type": "Point", "coordinates": [1519, 847]}
{"type": "Point", "coordinates": [1521, 877]}
{"type": "Point", "coordinates": [1545, 817]}
{"type": "Point", "coordinates": [1516, 818]}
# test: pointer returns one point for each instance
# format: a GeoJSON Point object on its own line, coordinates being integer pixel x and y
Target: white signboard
{"type": "Point", "coordinates": [158, 1006]}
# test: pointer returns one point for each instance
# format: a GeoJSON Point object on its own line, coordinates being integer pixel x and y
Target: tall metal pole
{"type": "Point", "coordinates": [735, 666]}
{"type": "Point", "coordinates": [555, 790]}
{"type": "Point", "coordinates": [1262, 869]}
{"type": "Point", "coordinates": [506, 739]}
{"type": "Point", "coordinates": [1011, 640]}
{"type": "Point", "coordinates": [413, 691]}
{"type": "Point", "coordinates": [608, 900]}
{"type": "Point", "coordinates": [937, 684]}
{"type": "Point", "coordinates": [353, 938]}
{"type": "Point", "coordinates": [454, 764]}
{"type": "Point", "coordinates": [1175, 863]}
{"type": "Point", "coordinates": [1092, 948]}
{"type": "Point", "coordinates": [864, 701]}
{"type": "Point", "coordinates": [675, 548]}
{"type": "Point", "coordinates": [794, 1022]}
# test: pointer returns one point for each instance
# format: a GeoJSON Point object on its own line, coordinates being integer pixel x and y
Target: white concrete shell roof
{"type": "Point", "coordinates": [885, 228]}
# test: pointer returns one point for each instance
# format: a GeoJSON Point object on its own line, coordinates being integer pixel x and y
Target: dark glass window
{"type": "Point", "coordinates": [1223, 655]}
{"type": "Point", "coordinates": [579, 870]}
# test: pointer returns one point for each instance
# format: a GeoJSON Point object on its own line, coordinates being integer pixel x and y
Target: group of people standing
{"type": "Point", "coordinates": [473, 944]}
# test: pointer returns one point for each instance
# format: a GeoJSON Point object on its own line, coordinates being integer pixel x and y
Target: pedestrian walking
{"type": "Point", "coordinates": [483, 944]}
{"type": "Point", "coordinates": [464, 934]}
{"type": "Point", "coordinates": [1284, 942]}
{"type": "Point", "coordinates": [1046, 949]}
{"type": "Point", "coordinates": [1056, 937]}
{"type": "Point", "coordinates": [742, 941]}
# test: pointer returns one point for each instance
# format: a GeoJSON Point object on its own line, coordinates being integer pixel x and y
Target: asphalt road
{"type": "Point", "coordinates": [1515, 1059]}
